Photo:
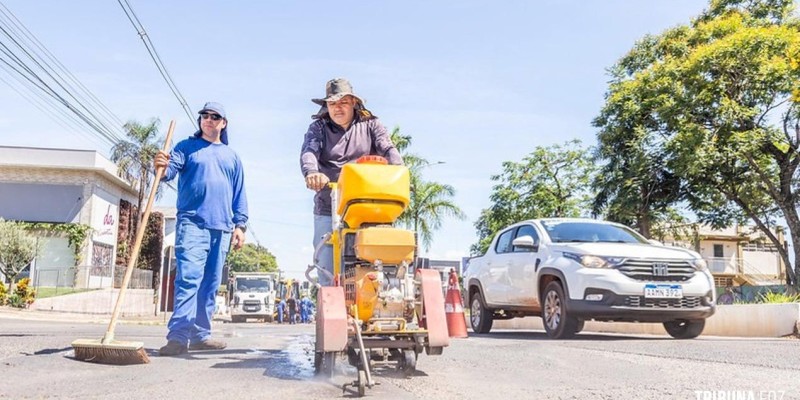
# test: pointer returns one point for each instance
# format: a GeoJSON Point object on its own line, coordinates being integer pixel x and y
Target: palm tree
{"type": "Point", "coordinates": [135, 158]}
{"type": "Point", "coordinates": [402, 143]}
{"type": "Point", "coordinates": [430, 202]}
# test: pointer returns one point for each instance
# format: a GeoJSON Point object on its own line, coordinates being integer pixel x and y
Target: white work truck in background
{"type": "Point", "coordinates": [568, 271]}
{"type": "Point", "coordinates": [253, 296]}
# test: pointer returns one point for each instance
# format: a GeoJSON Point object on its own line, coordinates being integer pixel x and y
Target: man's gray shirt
{"type": "Point", "coordinates": [327, 147]}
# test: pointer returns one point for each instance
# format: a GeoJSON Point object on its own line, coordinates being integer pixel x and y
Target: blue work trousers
{"type": "Point", "coordinates": [304, 315]}
{"type": "Point", "coordinates": [200, 254]}
{"type": "Point", "coordinates": [280, 313]}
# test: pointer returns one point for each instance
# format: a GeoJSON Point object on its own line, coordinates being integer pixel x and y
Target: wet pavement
{"type": "Point", "coordinates": [276, 361]}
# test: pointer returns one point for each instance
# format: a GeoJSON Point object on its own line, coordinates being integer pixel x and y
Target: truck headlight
{"type": "Point", "coordinates": [699, 264]}
{"type": "Point", "coordinates": [590, 261]}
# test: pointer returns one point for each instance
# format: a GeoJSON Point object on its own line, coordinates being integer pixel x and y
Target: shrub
{"type": "Point", "coordinates": [23, 295]}
{"type": "Point", "coordinates": [3, 294]}
{"type": "Point", "coordinates": [774, 298]}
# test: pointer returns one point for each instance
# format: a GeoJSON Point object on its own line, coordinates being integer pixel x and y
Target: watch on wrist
{"type": "Point", "coordinates": [242, 227]}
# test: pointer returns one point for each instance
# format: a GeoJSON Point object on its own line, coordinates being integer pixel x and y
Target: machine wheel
{"type": "Point", "coordinates": [324, 363]}
{"type": "Point", "coordinates": [408, 362]}
{"type": "Point", "coordinates": [557, 322]}
{"type": "Point", "coordinates": [362, 383]}
{"type": "Point", "coordinates": [683, 329]}
{"type": "Point", "coordinates": [434, 351]}
{"type": "Point", "coordinates": [480, 317]}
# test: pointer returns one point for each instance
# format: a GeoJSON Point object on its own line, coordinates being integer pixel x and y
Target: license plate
{"type": "Point", "coordinates": [252, 308]}
{"type": "Point", "coordinates": [653, 291]}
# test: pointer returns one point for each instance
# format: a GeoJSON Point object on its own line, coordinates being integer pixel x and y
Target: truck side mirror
{"type": "Point", "coordinates": [525, 243]}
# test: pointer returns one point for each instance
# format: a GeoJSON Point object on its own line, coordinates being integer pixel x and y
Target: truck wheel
{"type": "Point", "coordinates": [684, 329]}
{"type": "Point", "coordinates": [557, 322]}
{"type": "Point", "coordinates": [480, 317]}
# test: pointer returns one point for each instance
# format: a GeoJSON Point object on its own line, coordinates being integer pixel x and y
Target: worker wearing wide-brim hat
{"type": "Point", "coordinates": [343, 131]}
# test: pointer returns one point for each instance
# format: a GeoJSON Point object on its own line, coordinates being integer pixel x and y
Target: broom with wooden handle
{"type": "Point", "coordinates": [107, 350]}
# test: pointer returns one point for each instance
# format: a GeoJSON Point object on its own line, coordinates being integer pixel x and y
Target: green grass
{"type": "Point", "coordinates": [45, 292]}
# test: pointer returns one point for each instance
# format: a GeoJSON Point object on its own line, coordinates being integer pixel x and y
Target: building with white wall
{"type": "Point", "coordinates": [66, 186]}
{"type": "Point", "coordinates": [739, 255]}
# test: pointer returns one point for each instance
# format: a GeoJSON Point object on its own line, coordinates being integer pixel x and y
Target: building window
{"type": "Point", "coordinates": [102, 254]}
{"type": "Point", "coordinates": [760, 247]}
{"type": "Point", "coordinates": [719, 251]}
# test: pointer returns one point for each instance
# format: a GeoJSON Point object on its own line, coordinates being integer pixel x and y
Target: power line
{"type": "Point", "coordinates": [60, 91]}
{"type": "Point", "coordinates": [151, 49]}
{"type": "Point", "coordinates": [39, 83]}
{"type": "Point", "coordinates": [29, 72]}
{"type": "Point", "coordinates": [16, 23]}
{"type": "Point", "coordinates": [71, 125]}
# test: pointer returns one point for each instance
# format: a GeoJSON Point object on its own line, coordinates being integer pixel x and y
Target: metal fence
{"type": "Point", "coordinates": [90, 277]}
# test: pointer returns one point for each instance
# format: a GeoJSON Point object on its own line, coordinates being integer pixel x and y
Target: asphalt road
{"type": "Point", "coordinates": [275, 361]}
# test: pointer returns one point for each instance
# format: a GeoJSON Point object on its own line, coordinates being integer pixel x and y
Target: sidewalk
{"type": "Point", "coordinates": [42, 315]}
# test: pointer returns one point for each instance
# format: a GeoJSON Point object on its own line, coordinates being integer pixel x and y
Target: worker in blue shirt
{"type": "Point", "coordinates": [281, 310]}
{"type": "Point", "coordinates": [305, 309]}
{"type": "Point", "coordinates": [212, 217]}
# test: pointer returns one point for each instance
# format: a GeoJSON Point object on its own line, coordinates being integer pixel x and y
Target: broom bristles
{"type": "Point", "coordinates": [115, 353]}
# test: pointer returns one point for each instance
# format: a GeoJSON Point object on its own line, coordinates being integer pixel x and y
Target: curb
{"type": "Point", "coordinates": [58, 316]}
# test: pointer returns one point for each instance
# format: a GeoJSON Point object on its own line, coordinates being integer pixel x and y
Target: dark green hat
{"type": "Point", "coordinates": [335, 90]}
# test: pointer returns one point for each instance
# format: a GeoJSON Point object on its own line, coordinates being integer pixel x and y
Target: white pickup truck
{"type": "Point", "coordinates": [571, 270]}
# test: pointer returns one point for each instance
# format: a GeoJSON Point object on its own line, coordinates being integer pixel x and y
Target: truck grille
{"type": "Point", "coordinates": [657, 270]}
{"type": "Point", "coordinates": [251, 305]}
{"type": "Point", "coordinates": [642, 302]}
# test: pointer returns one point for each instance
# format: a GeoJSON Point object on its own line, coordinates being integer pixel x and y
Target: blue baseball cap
{"type": "Point", "coordinates": [215, 107]}
{"type": "Point", "coordinates": [219, 109]}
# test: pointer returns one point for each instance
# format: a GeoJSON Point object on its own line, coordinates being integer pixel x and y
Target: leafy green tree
{"type": "Point", "coordinates": [634, 186]}
{"type": "Point", "coordinates": [430, 202]}
{"type": "Point", "coordinates": [719, 99]}
{"type": "Point", "coordinates": [551, 181]}
{"type": "Point", "coordinates": [17, 249]}
{"type": "Point", "coordinates": [135, 158]}
{"type": "Point", "coordinates": [252, 258]}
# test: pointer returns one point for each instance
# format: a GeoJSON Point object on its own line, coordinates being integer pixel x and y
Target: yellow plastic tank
{"type": "Point", "coordinates": [390, 245]}
{"type": "Point", "coordinates": [372, 193]}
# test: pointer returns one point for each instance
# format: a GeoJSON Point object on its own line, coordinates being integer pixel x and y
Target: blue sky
{"type": "Point", "coordinates": [474, 83]}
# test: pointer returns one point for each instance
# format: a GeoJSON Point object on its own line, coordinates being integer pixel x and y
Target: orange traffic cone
{"type": "Point", "coordinates": [454, 310]}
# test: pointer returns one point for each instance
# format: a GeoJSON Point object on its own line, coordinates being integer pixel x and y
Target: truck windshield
{"type": "Point", "coordinates": [252, 285]}
{"type": "Point", "coordinates": [586, 232]}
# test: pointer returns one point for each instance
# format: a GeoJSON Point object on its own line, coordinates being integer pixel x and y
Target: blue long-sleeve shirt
{"type": "Point", "coordinates": [211, 184]}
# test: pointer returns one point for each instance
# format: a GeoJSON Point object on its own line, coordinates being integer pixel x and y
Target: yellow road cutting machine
{"type": "Point", "coordinates": [381, 308]}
